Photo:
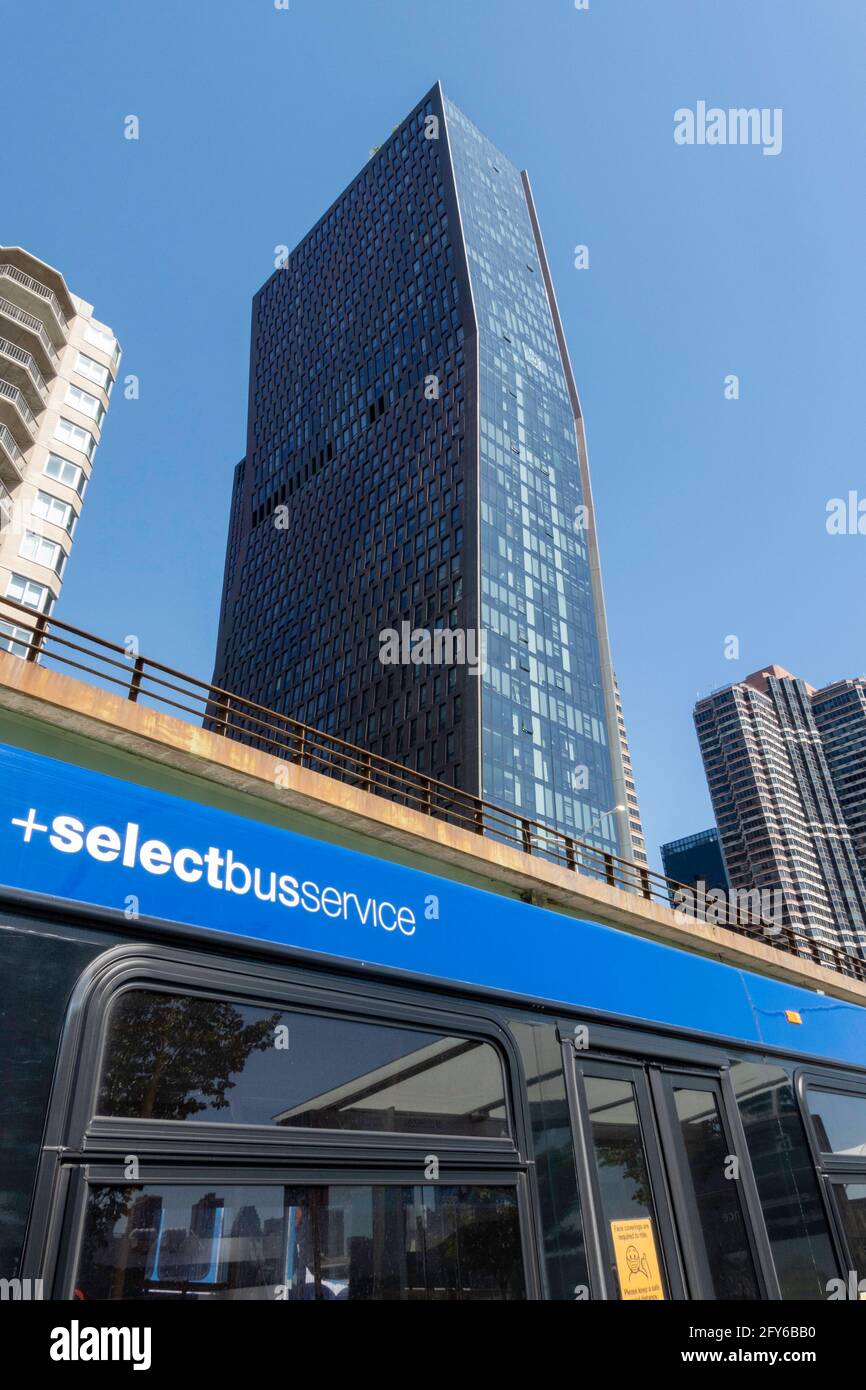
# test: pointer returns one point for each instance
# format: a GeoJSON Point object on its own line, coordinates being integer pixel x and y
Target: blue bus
{"type": "Point", "coordinates": [245, 1063]}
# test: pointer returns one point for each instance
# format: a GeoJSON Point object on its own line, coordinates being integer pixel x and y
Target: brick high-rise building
{"type": "Point", "coordinates": [57, 367]}
{"type": "Point", "coordinates": [840, 714]}
{"type": "Point", "coordinates": [778, 810]}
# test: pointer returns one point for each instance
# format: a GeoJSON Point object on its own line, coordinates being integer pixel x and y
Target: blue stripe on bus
{"type": "Point", "coordinates": [90, 839]}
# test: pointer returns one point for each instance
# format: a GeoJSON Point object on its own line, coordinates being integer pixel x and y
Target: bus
{"type": "Point", "coordinates": [249, 1056]}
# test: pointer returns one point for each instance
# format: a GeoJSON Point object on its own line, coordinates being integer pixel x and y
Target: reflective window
{"type": "Point", "coordinates": [626, 1195]}
{"type": "Point", "coordinates": [851, 1198]}
{"type": "Point", "coordinates": [714, 1196]}
{"type": "Point", "coordinates": [543, 708]}
{"type": "Point", "coordinates": [564, 1246]}
{"type": "Point", "coordinates": [840, 1121]}
{"type": "Point", "coordinates": [353, 1241]}
{"type": "Point", "coordinates": [787, 1184]}
{"type": "Point", "coordinates": [183, 1057]}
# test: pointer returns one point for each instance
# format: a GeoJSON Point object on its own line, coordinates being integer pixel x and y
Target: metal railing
{"type": "Point", "coordinates": [42, 291]}
{"type": "Point", "coordinates": [25, 360]}
{"type": "Point", "coordinates": [30, 321]}
{"type": "Point", "coordinates": [37, 637]}
{"type": "Point", "coordinates": [7, 442]}
{"type": "Point", "coordinates": [11, 393]}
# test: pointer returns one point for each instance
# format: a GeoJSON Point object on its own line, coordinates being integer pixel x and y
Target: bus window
{"type": "Point", "coordinates": [562, 1229]}
{"type": "Point", "coordinates": [837, 1114]}
{"type": "Point", "coordinates": [258, 1241]}
{"type": "Point", "coordinates": [794, 1214]}
{"type": "Point", "coordinates": [839, 1118]}
{"type": "Point", "coordinates": [194, 1058]}
{"type": "Point", "coordinates": [724, 1266]}
{"type": "Point", "coordinates": [851, 1202]}
{"type": "Point", "coordinates": [628, 1208]}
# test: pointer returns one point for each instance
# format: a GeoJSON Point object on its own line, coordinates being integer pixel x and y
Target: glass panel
{"type": "Point", "coordinates": [38, 970]}
{"type": "Point", "coordinates": [181, 1057]}
{"type": "Point", "coordinates": [716, 1197]}
{"type": "Point", "coordinates": [301, 1243]}
{"type": "Point", "coordinates": [626, 1195]}
{"type": "Point", "coordinates": [852, 1209]}
{"type": "Point", "coordinates": [840, 1121]}
{"type": "Point", "coordinates": [788, 1187]}
{"type": "Point", "coordinates": [564, 1246]}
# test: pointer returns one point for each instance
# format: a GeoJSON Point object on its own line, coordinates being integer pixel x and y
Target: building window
{"type": "Point", "coordinates": [14, 640]}
{"type": "Point", "coordinates": [93, 370]}
{"type": "Point", "coordinates": [75, 436]}
{"type": "Point", "coordinates": [28, 592]}
{"type": "Point", "coordinates": [102, 339]}
{"type": "Point", "coordinates": [65, 472]}
{"type": "Point", "coordinates": [42, 551]}
{"type": "Point", "coordinates": [87, 404]}
{"type": "Point", "coordinates": [49, 508]}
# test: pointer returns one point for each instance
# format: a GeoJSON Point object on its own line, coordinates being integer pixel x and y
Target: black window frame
{"type": "Point", "coordinates": [833, 1170]}
{"type": "Point", "coordinates": [603, 1278]}
{"type": "Point", "coordinates": [664, 1081]}
{"type": "Point", "coordinates": [81, 1148]}
{"type": "Point", "coordinates": [78, 1179]}
{"type": "Point", "coordinates": [825, 1160]}
{"type": "Point", "coordinates": [651, 1056]}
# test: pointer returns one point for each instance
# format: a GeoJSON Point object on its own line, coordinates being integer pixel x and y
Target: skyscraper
{"type": "Point", "coordinates": [696, 859]}
{"type": "Point", "coordinates": [416, 456]}
{"type": "Point", "coordinates": [636, 842]}
{"type": "Point", "coordinates": [840, 716]}
{"type": "Point", "coordinates": [57, 367]}
{"type": "Point", "coordinates": [779, 816]}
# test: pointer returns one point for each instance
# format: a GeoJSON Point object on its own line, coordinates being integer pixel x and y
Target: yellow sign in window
{"type": "Point", "coordinates": [637, 1262]}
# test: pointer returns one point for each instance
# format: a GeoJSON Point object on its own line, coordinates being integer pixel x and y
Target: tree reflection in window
{"type": "Point", "coordinates": [172, 1056]}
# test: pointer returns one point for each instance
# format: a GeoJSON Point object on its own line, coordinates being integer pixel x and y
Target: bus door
{"type": "Point", "coordinates": [667, 1184]}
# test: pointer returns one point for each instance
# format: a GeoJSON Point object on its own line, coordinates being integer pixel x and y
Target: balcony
{"type": "Point", "coordinates": [11, 457]}
{"type": "Point", "coordinates": [17, 415]}
{"type": "Point", "coordinates": [23, 327]}
{"type": "Point", "coordinates": [22, 371]}
{"type": "Point", "coordinates": [30, 294]}
{"type": "Point", "coordinates": [5, 507]}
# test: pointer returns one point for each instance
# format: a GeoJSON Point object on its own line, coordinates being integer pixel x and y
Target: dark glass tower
{"type": "Point", "coordinates": [696, 859]}
{"type": "Point", "coordinates": [416, 454]}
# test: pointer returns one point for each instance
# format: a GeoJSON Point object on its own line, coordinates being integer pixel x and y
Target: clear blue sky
{"type": "Point", "coordinates": [703, 262]}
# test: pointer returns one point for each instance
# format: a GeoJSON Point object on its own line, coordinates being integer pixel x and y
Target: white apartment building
{"type": "Point", "coordinates": [57, 367]}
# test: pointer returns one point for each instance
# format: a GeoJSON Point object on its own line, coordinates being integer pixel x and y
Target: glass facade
{"type": "Point", "coordinates": [696, 859]}
{"type": "Point", "coordinates": [413, 458]}
{"type": "Point", "coordinates": [545, 738]}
